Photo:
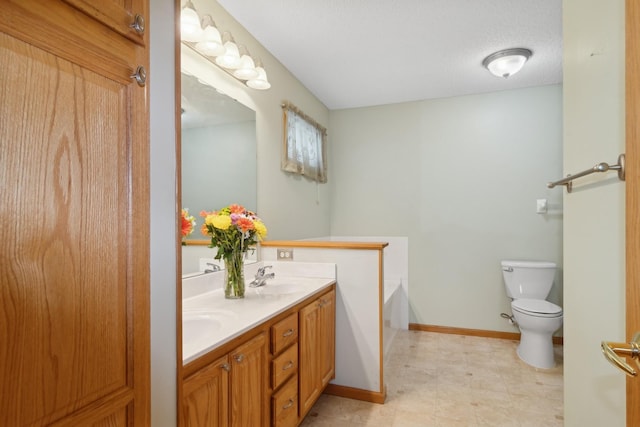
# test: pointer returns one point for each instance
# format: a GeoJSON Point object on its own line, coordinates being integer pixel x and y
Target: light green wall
{"type": "Point", "coordinates": [460, 177]}
{"type": "Point", "coordinates": [594, 214]}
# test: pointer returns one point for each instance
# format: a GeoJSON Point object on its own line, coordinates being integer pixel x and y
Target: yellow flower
{"type": "Point", "coordinates": [261, 229]}
{"type": "Point", "coordinates": [221, 222]}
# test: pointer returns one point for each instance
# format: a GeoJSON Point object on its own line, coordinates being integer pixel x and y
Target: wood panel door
{"type": "Point", "coordinates": [632, 153]}
{"type": "Point", "coordinates": [74, 239]}
{"type": "Point", "coordinates": [206, 396]}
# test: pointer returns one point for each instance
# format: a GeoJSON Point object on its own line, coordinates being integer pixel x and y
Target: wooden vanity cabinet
{"type": "Point", "coordinates": [273, 378]}
{"type": "Point", "coordinates": [231, 390]}
{"type": "Point", "coordinates": [317, 349]}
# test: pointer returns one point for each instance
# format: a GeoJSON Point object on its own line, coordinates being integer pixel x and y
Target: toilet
{"type": "Point", "coordinates": [528, 284]}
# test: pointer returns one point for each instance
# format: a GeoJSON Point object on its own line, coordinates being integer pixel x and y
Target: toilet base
{"type": "Point", "coordinates": [536, 349]}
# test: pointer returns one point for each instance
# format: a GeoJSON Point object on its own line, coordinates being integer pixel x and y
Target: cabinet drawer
{"type": "Point", "coordinates": [284, 333]}
{"type": "Point", "coordinates": [283, 366]}
{"type": "Point", "coordinates": [284, 405]}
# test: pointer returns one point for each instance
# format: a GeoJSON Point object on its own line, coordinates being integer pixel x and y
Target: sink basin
{"type": "Point", "coordinates": [199, 325]}
{"type": "Point", "coordinates": [279, 289]}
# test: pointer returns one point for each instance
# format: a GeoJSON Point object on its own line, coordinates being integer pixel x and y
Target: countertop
{"type": "Point", "coordinates": [210, 320]}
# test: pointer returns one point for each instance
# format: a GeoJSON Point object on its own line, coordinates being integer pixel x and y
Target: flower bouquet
{"type": "Point", "coordinates": [233, 230]}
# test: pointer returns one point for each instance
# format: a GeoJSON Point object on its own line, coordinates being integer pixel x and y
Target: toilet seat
{"type": "Point", "coordinates": [536, 307]}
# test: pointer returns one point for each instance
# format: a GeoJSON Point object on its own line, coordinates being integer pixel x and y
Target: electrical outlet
{"type": "Point", "coordinates": [285, 254]}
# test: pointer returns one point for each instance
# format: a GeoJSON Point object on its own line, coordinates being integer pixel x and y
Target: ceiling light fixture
{"type": "Point", "coordinates": [204, 38]}
{"type": "Point", "coordinates": [506, 63]}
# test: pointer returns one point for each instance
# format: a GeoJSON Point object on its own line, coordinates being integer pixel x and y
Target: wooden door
{"type": "Point", "coordinates": [249, 399]}
{"type": "Point", "coordinates": [632, 151]}
{"type": "Point", "coordinates": [206, 396]}
{"type": "Point", "coordinates": [74, 240]}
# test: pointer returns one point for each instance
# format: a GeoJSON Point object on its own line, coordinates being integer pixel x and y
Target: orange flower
{"type": "Point", "coordinates": [245, 224]}
{"type": "Point", "coordinates": [237, 209]}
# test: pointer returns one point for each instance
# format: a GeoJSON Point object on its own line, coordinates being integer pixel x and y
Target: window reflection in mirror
{"type": "Point", "coordinates": [218, 161]}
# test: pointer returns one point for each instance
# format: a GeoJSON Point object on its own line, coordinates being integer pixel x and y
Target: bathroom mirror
{"type": "Point", "coordinates": [218, 159]}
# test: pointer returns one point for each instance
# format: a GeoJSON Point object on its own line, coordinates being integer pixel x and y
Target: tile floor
{"type": "Point", "coordinates": [453, 380]}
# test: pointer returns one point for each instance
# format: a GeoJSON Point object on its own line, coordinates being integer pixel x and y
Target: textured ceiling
{"type": "Point", "coordinates": [355, 53]}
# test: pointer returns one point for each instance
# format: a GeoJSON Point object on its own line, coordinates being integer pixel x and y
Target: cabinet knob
{"type": "Point", "coordinates": [226, 367]}
{"type": "Point", "coordinates": [239, 358]}
{"type": "Point", "coordinates": [138, 24]}
{"type": "Point", "coordinates": [140, 75]}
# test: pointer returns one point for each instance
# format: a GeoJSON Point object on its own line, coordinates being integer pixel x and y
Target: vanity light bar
{"type": "Point", "coordinates": [221, 50]}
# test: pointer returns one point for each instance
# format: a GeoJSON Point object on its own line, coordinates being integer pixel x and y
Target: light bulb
{"type": "Point", "coordinates": [246, 70]}
{"type": "Point", "coordinates": [260, 82]}
{"type": "Point", "coordinates": [231, 57]}
{"type": "Point", "coordinates": [211, 42]}
{"type": "Point", "coordinates": [190, 28]}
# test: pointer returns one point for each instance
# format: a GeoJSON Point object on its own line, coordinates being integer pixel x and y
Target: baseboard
{"type": "Point", "coordinates": [355, 393]}
{"type": "Point", "coordinates": [514, 336]}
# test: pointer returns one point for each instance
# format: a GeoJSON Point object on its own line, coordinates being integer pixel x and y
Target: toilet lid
{"type": "Point", "coordinates": [536, 307]}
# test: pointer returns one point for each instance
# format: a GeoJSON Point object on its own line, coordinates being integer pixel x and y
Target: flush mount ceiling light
{"type": "Point", "coordinates": [506, 62]}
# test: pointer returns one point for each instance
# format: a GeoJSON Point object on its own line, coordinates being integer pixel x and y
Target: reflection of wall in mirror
{"type": "Point", "coordinates": [218, 168]}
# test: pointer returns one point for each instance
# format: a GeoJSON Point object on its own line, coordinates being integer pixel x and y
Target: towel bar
{"type": "Point", "coordinates": [600, 167]}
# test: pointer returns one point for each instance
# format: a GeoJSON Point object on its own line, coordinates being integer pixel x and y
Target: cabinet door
{"type": "Point", "coordinates": [74, 240]}
{"type": "Point", "coordinates": [327, 337]}
{"type": "Point", "coordinates": [309, 362]}
{"type": "Point", "coordinates": [248, 395]}
{"type": "Point", "coordinates": [206, 396]}
{"type": "Point", "coordinates": [127, 18]}
{"type": "Point", "coordinates": [317, 349]}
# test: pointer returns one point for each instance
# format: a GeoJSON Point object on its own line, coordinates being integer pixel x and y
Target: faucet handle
{"type": "Point", "coordinates": [262, 270]}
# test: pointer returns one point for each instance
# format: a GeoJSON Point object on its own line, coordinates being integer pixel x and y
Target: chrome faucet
{"type": "Point", "coordinates": [261, 277]}
{"type": "Point", "coordinates": [213, 267]}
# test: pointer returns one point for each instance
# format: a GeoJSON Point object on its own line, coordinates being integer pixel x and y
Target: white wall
{"type": "Point", "coordinates": [460, 177]}
{"type": "Point", "coordinates": [163, 216]}
{"type": "Point", "coordinates": [594, 214]}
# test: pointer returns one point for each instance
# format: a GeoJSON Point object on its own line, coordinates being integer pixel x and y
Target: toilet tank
{"type": "Point", "coordinates": [528, 279]}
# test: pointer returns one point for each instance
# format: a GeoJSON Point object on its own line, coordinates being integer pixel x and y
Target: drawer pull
{"type": "Point", "coordinates": [288, 405]}
{"type": "Point", "coordinates": [288, 366]}
{"type": "Point", "coordinates": [288, 333]}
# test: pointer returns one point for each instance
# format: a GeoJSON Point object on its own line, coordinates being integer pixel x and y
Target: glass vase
{"type": "Point", "coordinates": [234, 275]}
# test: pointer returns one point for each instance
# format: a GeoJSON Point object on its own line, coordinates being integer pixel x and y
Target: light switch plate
{"type": "Point", "coordinates": [541, 206]}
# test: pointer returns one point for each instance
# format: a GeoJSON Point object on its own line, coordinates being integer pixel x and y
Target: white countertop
{"type": "Point", "coordinates": [210, 320]}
